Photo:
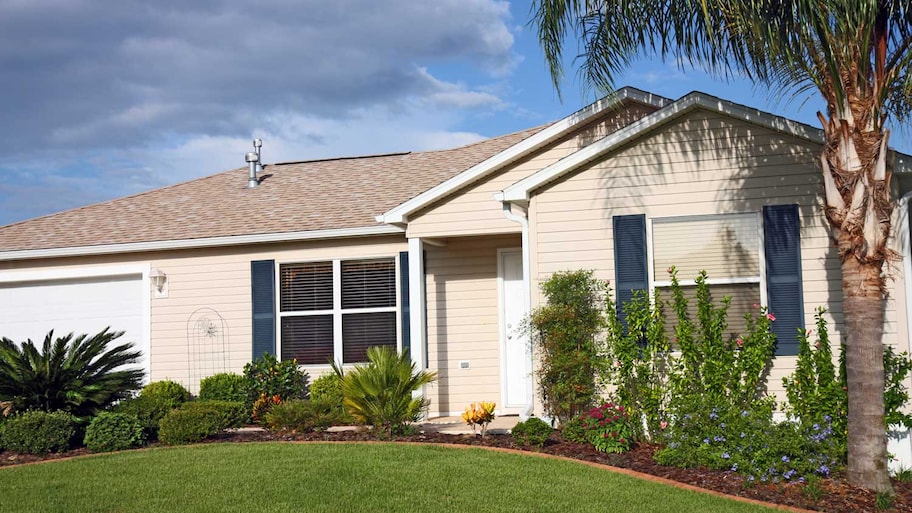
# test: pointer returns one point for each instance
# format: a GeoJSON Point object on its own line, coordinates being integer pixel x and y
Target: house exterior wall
{"type": "Point", "coordinates": [218, 279]}
{"type": "Point", "coordinates": [703, 163]}
{"type": "Point", "coordinates": [474, 211]}
{"type": "Point", "coordinates": [463, 322]}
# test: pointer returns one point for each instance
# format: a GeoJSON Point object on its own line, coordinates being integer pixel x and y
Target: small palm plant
{"type": "Point", "coordinates": [379, 393]}
{"type": "Point", "coordinates": [77, 374]}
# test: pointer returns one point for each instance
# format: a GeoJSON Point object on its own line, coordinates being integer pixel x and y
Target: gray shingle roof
{"type": "Point", "coordinates": [292, 197]}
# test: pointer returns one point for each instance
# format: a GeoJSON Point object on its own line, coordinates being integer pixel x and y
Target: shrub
{"type": "Point", "coordinates": [230, 414]}
{"type": "Point", "coordinates": [38, 432]}
{"type": "Point", "coordinates": [191, 424]}
{"type": "Point", "coordinates": [268, 377]}
{"type": "Point", "coordinates": [565, 332]}
{"type": "Point", "coordinates": [479, 415]}
{"type": "Point", "coordinates": [225, 386]}
{"type": "Point", "coordinates": [77, 374]}
{"type": "Point", "coordinates": [300, 416]}
{"type": "Point", "coordinates": [607, 428]}
{"type": "Point", "coordinates": [531, 432]}
{"type": "Point", "coordinates": [328, 388]}
{"type": "Point", "coordinates": [573, 431]}
{"type": "Point", "coordinates": [380, 393]}
{"type": "Point", "coordinates": [166, 392]}
{"type": "Point", "coordinates": [750, 442]}
{"type": "Point", "coordinates": [114, 432]}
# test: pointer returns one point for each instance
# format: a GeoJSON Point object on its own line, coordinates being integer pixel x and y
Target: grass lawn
{"type": "Point", "coordinates": [278, 477]}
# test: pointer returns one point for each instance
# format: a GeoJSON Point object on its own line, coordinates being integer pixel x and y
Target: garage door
{"type": "Point", "coordinates": [28, 310]}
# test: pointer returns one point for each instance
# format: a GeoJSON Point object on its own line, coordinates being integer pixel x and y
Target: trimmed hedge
{"type": "Point", "coordinates": [38, 432]}
{"type": "Point", "coordinates": [166, 391]}
{"type": "Point", "coordinates": [301, 415]}
{"type": "Point", "coordinates": [532, 432]}
{"type": "Point", "coordinates": [195, 421]}
{"type": "Point", "coordinates": [114, 432]}
{"type": "Point", "coordinates": [155, 401]}
{"type": "Point", "coordinates": [225, 386]}
{"type": "Point", "coordinates": [231, 414]}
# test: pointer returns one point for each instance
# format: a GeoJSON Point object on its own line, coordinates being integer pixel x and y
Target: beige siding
{"type": "Point", "coordinates": [473, 210]}
{"type": "Point", "coordinates": [218, 279]}
{"type": "Point", "coordinates": [701, 164]}
{"type": "Point", "coordinates": [463, 323]}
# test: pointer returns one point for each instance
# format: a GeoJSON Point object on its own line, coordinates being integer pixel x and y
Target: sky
{"type": "Point", "coordinates": [106, 98]}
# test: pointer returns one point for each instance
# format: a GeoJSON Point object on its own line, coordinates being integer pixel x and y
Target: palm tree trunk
{"type": "Point", "coordinates": [864, 316]}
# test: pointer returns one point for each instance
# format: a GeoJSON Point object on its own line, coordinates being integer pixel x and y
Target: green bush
{"type": "Point", "coordinates": [532, 432]}
{"type": "Point", "coordinates": [166, 392]}
{"type": "Point", "coordinates": [750, 442]}
{"type": "Point", "coordinates": [573, 431]}
{"type": "Point", "coordinates": [380, 393]}
{"type": "Point", "coordinates": [152, 404]}
{"type": "Point", "coordinates": [76, 374]}
{"type": "Point", "coordinates": [301, 416]}
{"type": "Point", "coordinates": [114, 432]}
{"type": "Point", "coordinates": [566, 332]}
{"type": "Point", "coordinates": [607, 428]}
{"type": "Point", "coordinates": [190, 425]}
{"type": "Point", "coordinates": [328, 388]}
{"type": "Point", "coordinates": [230, 414]}
{"type": "Point", "coordinates": [38, 432]}
{"type": "Point", "coordinates": [270, 381]}
{"type": "Point", "coordinates": [225, 386]}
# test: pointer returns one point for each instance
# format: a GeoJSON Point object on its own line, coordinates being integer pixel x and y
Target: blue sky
{"type": "Point", "coordinates": [113, 97]}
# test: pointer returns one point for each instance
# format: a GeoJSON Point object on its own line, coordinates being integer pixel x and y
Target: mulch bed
{"type": "Point", "coordinates": [836, 496]}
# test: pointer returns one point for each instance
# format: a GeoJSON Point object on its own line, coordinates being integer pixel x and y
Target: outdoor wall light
{"type": "Point", "coordinates": [159, 282]}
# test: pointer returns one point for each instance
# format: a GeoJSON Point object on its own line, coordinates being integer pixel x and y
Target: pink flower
{"type": "Point", "coordinates": [663, 424]}
{"type": "Point", "coordinates": [756, 305]}
{"type": "Point", "coordinates": [771, 317]}
{"type": "Point", "coordinates": [668, 270]}
{"type": "Point", "coordinates": [739, 342]}
{"type": "Point", "coordinates": [607, 282]}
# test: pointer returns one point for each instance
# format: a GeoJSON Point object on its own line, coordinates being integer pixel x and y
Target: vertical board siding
{"type": "Point", "coordinates": [702, 163]}
{"type": "Point", "coordinates": [463, 322]}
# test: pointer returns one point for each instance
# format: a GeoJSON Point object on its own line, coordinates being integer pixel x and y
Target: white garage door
{"type": "Point", "coordinates": [29, 309]}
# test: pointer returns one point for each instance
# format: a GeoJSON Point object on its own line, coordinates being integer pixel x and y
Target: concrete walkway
{"type": "Point", "coordinates": [456, 426]}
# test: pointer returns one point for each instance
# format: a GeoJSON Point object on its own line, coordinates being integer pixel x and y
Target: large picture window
{"type": "Point", "coordinates": [335, 310]}
{"type": "Point", "coordinates": [727, 246]}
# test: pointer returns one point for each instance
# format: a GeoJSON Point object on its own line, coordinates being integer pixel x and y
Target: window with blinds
{"type": "Point", "coordinates": [314, 302]}
{"type": "Point", "coordinates": [727, 247]}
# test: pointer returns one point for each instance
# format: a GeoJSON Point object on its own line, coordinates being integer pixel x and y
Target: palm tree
{"type": "Point", "coordinates": [79, 374]}
{"type": "Point", "coordinates": [856, 54]}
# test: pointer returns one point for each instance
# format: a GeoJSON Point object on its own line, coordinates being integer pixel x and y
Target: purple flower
{"type": "Point", "coordinates": [725, 456]}
{"type": "Point", "coordinates": [785, 459]}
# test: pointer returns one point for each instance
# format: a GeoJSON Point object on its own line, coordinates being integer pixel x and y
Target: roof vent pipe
{"type": "Point", "coordinates": [253, 160]}
{"type": "Point", "coordinates": [257, 144]}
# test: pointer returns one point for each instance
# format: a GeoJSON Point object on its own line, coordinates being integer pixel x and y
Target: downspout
{"type": "Point", "coordinates": [907, 262]}
{"type": "Point", "coordinates": [523, 221]}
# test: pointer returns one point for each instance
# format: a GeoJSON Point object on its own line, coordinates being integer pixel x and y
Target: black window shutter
{"type": "Point", "coordinates": [629, 259]}
{"type": "Point", "coordinates": [404, 310]}
{"type": "Point", "coordinates": [262, 279]}
{"type": "Point", "coordinates": [782, 243]}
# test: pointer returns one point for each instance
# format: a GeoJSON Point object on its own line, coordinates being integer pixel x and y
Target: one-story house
{"type": "Point", "coordinates": [442, 252]}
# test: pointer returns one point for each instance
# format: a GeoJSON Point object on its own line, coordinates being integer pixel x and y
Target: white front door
{"type": "Point", "coordinates": [515, 350]}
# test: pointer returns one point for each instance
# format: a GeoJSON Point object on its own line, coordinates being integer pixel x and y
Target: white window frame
{"type": "Point", "coordinates": [337, 312]}
{"type": "Point", "coordinates": [689, 281]}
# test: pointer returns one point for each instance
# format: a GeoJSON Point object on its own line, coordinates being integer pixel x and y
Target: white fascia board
{"type": "Point", "coordinates": [235, 240]}
{"type": "Point", "coordinates": [400, 213]}
{"type": "Point", "coordinates": [520, 191]}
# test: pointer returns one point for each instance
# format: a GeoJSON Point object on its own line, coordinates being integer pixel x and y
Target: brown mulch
{"type": "Point", "coordinates": [837, 495]}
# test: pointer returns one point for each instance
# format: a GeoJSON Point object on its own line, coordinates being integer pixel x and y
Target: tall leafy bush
{"type": "Point", "coordinates": [224, 386]}
{"type": "Point", "coordinates": [565, 332]}
{"type": "Point", "coordinates": [77, 374]}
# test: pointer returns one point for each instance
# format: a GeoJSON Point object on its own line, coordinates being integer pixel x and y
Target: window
{"type": "Point", "coordinates": [750, 258]}
{"type": "Point", "coordinates": [728, 247]}
{"type": "Point", "coordinates": [335, 310]}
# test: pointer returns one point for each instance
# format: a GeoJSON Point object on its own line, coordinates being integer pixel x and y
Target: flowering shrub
{"type": "Point", "coordinates": [262, 405]}
{"type": "Point", "coordinates": [479, 415]}
{"type": "Point", "coordinates": [750, 442]}
{"type": "Point", "coordinates": [607, 427]}
{"type": "Point", "coordinates": [270, 377]}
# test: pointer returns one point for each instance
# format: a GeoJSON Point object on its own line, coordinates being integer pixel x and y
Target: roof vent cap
{"type": "Point", "coordinates": [253, 161]}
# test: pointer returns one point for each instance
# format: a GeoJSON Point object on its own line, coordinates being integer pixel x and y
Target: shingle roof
{"type": "Point", "coordinates": [292, 197]}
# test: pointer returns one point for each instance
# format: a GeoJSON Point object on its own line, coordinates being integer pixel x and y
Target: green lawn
{"type": "Point", "coordinates": [335, 478]}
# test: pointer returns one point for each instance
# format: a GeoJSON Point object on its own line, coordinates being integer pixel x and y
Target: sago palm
{"type": "Point", "coordinates": [856, 55]}
{"type": "Point", "coordinates": [379, 393]}
{"type": "Point", "coordinates": [78, 374]}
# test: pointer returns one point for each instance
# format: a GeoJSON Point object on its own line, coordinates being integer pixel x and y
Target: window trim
{"type": "Point", "coordinates": [650, 252]}
{"type": "Point", "coordinates": [337, 312]}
